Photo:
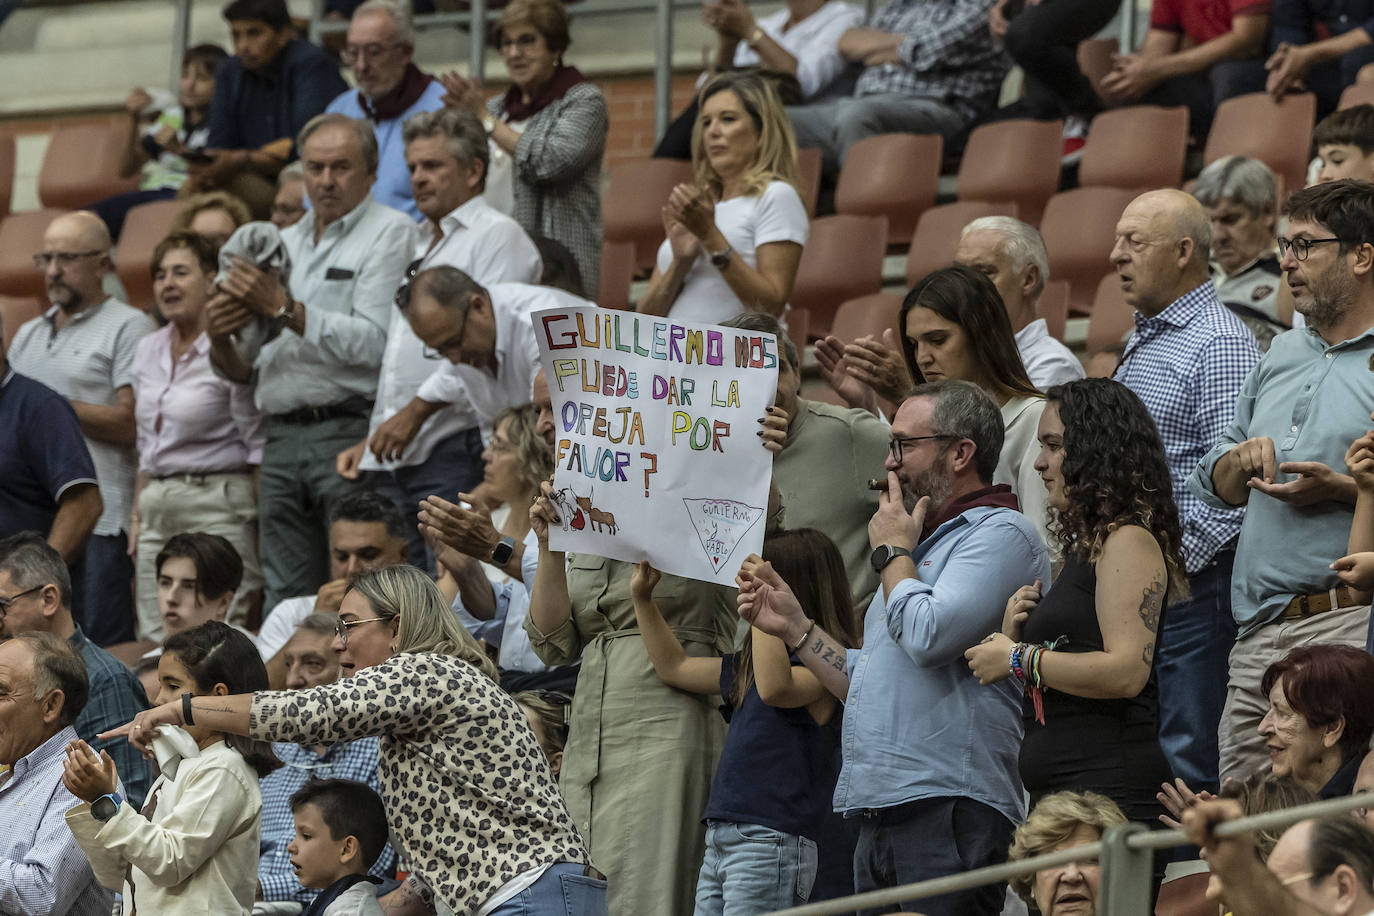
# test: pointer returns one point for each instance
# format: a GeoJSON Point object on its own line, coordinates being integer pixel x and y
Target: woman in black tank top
{"type": "Point", "coordinates": [1085, 650]}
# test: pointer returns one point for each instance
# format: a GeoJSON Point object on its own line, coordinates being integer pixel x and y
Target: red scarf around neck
{"type": "Point", "coordinates": [394, 104]}
{"type": "Point", "coordinates": [564, 78]}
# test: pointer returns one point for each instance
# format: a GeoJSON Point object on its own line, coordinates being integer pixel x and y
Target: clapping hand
{"type": "Point", "coordinates": [694, 209]}
{"type": "Point", "coordinates": [765, 600]}
{"type": "Point", "coordinates": [86, 774]}
{"type": "Point", "coordinates": [1178, 798]}
{"type": "Point", "coordinates": [463, 93]}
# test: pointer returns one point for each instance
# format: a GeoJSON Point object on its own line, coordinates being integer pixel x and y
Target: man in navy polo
{"type": "Point", "coordinates": [47, 480]}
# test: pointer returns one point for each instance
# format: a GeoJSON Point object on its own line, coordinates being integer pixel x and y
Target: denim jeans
{"type": "Point", "coordinates": [1194, 644]}
{"type": "Point", "coordinates": [752, 869]}
{"type": "Point", "coordinates": [102, 590]}
{"type": "Point", "coordinates": [932, 838]}
{"type": "Point", "coordinates": [455, 466]}
{"type": "Point", "coordinates": [564, 890]}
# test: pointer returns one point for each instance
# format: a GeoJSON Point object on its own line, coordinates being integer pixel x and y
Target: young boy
{"type": "Point", "coordinates": [340, 830]}
{"type": "Point", "coordinates": [1345, 144]}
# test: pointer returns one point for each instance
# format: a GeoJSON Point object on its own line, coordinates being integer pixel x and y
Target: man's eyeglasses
{"type": "Point", "coordinates": [1300, 246]}
{"type": "Point", "coordinates": [343, 626]}
{"type": "Point", "coordinates": [894, 447]}
{"type": "Point", "coordinates": [6, 602]}
{"type": "Point", "coordinates": [43, 259]}
{"type": "Point", "coordinates": [453, 343]}
{"type": "Point", "coordinates": [351, 54]}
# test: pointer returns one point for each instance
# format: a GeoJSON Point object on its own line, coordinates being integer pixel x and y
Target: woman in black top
{"type": "Point", "coordinates": [1085, 652]}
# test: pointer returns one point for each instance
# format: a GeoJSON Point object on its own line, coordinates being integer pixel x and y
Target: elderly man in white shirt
{"type": "Point", "coordinates": [317, 373]}
{"type": "Point", "coordinates": [43, 689]}
{"type": "Point", "coordinates": [447, 155]}
{"type": "Point", "coordinates": [1013, 256]}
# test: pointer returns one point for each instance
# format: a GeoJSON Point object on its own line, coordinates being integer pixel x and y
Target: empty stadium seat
{"type": "Point", "coordinates": [21, 237]}
{"type": "Point", "coordinates": [15, 311]}
{"type": "Point", "coordinates": [1079, 228]}
{"type": "Point", "coordinates": [632, 208]}
{"type": "Point", "coordinates": [81, 165]}
{"type": "Point", "coordinates": [843, 260]}
{"type": "Point", "coordinates": [1357, 94]}
{"type": "Point", "coordinates": [617, 273]}
{"type": "Point", "coordinates": [809, 167]}
{"type": "Point", "coordinates": [1139, 147]}
{"type": "Point", "coordinates": [1279, 134]}
{"type": "Point", "coordinates": [937, 234]}
{"type": "Point", "coordinates": [892, 175]}
{"type": "Point", "coordinates": [1014, 161]}
{"type": "Point", "coordinates": [1054, 307]}
{"type": "Point", "coordinates": [145, 226]}
{"type": "Point", "coordinates": [867, 316]}
{"type": "Point", "coordinates": [1111, 317]}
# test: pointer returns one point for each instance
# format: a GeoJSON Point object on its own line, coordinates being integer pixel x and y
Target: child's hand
{"type": "Point", "coordinates": [1356, 570]}
{"type": "Point", "coordinates": [643, 581]}
{"type": "Point", "coordinates": [87, 776]}
{"type": "Point", "coordinates": [1359, 461]}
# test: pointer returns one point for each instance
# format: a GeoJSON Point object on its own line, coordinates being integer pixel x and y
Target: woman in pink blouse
{"type": "Point", "coordinates": [199, 436]}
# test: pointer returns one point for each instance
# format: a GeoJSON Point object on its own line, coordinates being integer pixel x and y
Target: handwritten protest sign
{"type": "Point", "coordinates": [656, 455]}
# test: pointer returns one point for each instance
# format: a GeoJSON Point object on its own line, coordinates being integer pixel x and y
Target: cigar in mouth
{"type": "Point", "coordinates": [878, 484]}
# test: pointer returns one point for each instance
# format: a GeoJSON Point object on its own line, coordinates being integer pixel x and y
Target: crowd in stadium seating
{"type": "Point", "coordinates": [281, 628]}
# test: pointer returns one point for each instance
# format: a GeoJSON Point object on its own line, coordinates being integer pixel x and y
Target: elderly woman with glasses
{"type": "Point", "coordinates": [470, 797]}
{"type": "Point", "coordinates": [548, 133]}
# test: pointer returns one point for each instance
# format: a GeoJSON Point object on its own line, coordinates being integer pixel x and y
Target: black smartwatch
{"type": "Point", "coordinates": [885, 554]}
{"type": "Point", "coordinates": [106, 806]}
{"type": "Point", "coordinates": [500, 554]}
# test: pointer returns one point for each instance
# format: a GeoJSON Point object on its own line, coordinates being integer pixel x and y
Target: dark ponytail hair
{"type": "Point", "coordinates": [216, 653]}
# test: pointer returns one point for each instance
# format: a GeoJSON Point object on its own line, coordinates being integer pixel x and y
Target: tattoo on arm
{"type": "Point", "coordinates": [828, 655]}
{"type": "Point", "coordinates": [1152, 604]}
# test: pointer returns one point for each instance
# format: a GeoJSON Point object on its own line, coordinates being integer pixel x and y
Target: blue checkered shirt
{"type": "Point", "coordinates": [116, 697]}
{"type": "Point", "coordinates": [356, 760]}
{"type": "Point", "coordinates": [1187, 364]}
{"type": "Point", "coordinates": [947, 54]}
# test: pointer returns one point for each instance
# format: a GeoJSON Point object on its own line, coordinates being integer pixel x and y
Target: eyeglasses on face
{"type": "Point", "coordinates": [43, 259]}
{"type": "Point", "coordinates": [343, 626]}
{"type": "Point", "coordinates": [894, 446]}
{"type": "Point", "coordinates": [1300, 246]}
{"type": "Point", "coordinates": [351, 54]}
{"type": "Point", "coordinates": [6, 602]}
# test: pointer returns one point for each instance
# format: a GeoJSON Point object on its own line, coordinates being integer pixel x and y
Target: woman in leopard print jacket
{"type": "Point", "coordinates": [468, 791]}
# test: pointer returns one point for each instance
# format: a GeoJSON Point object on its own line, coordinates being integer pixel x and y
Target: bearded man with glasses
{"type": "Point", "coordinates": [1283, 455]}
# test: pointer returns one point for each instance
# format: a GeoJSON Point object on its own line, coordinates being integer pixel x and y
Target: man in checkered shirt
{"type": "Point", "coordinates": [1186, 360]}
{"type": "Point", "coordinates": [929, 67]}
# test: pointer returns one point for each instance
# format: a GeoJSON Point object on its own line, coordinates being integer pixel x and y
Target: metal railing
{"type": "Point", "coordinates": [1126, 855]}
{"type": "Point", "coordinates": [478, 13]}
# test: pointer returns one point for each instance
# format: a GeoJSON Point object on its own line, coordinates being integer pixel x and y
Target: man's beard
{"type": "Point", "coordinates": [1325, 309]}
{"type": "Point", "coordinates": [64, 297]}
{"type": "Point", "coordinates": [933, 482]}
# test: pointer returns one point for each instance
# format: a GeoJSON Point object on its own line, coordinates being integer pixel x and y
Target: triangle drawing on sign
{"type": "Point", "coordinates": [719, 524]}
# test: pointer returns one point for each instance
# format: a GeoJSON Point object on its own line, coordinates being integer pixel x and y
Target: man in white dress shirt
{"type": "Point", "coordinates": [447, 154]}
{"type": "Point", "coordinates": [1013, 256]}
{"type": "Point", "coordinates": [316, 373]}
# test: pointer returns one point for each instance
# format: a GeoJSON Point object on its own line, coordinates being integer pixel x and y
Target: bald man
{"type": "Point", "coordinates": [1186, 360]}
{"type": "Point", "coordinates": [83, 348]}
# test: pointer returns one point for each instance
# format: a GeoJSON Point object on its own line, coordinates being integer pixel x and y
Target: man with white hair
{"type": "Point", "coordinates": [1241, 198]}
{"type": "Point", "coordinates": [1186, 360]}
{"type": "Point", "coordinates": [379, 49]}
{"type": "Point", "coordinates": [1012, 255]}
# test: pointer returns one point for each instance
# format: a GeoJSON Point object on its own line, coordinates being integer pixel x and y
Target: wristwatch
{"type": "Point", "coordinates": [500, 554]}
{"type": "Point", "coordinates": [755, 37]}
{"type": "Point", "coordinates": [884, 555]}
{"type": "Point", "coordinates": [106, 806]}
{"type": "Point", "coordinates": [488, 123]}
{"type": "Point", "coordinates": [720, 259]}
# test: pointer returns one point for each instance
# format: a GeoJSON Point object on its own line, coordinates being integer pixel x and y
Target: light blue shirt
{"type": "Point", "coordinates": [917, 724]}
{"type": "Point", "coordinates": [392, 186]}
{"type": "Point", "coordinates": [1313, 400]}
{"type": "Point", "coordinates": [42, 869]}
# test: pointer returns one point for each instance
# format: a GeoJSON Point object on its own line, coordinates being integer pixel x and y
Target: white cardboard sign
{"type": "Point", "coordinates": [656, 454]}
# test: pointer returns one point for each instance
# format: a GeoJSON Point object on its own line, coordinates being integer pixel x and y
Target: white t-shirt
{"type": "Point", "coordinates": [776, 215]}
{"type": "Point", "coordinates": [812, 42]}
